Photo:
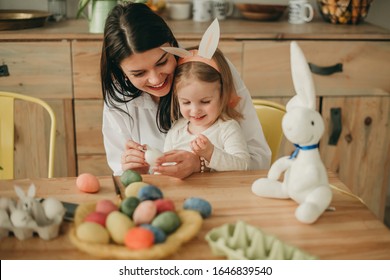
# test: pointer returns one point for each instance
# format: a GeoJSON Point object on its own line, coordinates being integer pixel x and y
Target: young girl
{"type": "Point", "coordinates": [203, 103]}
{"type": "Point", "coordinates": [137, 77]}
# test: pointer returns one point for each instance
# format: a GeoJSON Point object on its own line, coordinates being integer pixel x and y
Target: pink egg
{"type": "Point", "coordinates": [96, 217]}
{"type": "Point", "coordinates": [164, 204]}
{"type": "Point", "coordinates": [145, 212]}
{"type": "Point", "coordinates": [88, 183]}
{"type": "Point", "coordinates": [106, 206]}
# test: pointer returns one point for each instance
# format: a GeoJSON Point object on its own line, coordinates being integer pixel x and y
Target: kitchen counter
{"type": "Point", "coordinates": [231, 29]}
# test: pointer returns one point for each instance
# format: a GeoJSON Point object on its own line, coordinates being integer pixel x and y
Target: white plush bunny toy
{"type": "Point", "coordinates": [305, 178]}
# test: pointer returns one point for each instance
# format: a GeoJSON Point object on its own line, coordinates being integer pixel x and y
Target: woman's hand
{"type": "Point", "coordinates": [202, 147]}
{"type": "Point", "coordinates": [186, 164]}
{"type": "Point", "coordinates": [134, 158]}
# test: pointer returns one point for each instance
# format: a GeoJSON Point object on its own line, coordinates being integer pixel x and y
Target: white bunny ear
{"type": "Point", "coordinates": [302, 79]}
{"type": "Point", "coordinates": [210, 40]}
{"type": "Point", "coordinates": [31, 191]}
{"type": "Point", "coordinates": [177, 51]}
{"type": "Point", "coordinates": [19, 192]}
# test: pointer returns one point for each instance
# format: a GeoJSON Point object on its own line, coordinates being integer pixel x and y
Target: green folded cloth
{"type": "Point", "coordinates": [241, 241]}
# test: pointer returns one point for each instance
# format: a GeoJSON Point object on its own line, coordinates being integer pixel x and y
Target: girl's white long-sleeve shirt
{"type": "Point", "coordinates": [140, 125]}
{"type": "Point", "coordinates": [230, 148]}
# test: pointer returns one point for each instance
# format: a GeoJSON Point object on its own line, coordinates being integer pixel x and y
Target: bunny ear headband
{"type": "Point", "coordinates": [207, 48]}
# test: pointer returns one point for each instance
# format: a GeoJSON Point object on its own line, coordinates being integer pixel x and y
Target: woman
{"type": "Point", "coordinates": [137, 77]}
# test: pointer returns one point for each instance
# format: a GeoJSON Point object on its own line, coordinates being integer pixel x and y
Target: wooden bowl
{"type": "Point", "coordinates": [261, 12]}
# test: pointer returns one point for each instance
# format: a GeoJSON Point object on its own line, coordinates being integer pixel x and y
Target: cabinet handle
{"type": "Point", "coordinates": [326, 70]}
{"type": "Point", "coordinates": [335, 117]}
{"type": "Point", "coordinates": [4, 70]}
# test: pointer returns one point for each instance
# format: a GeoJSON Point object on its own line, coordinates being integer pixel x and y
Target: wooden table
{"type": "Point", "coordinates": [350, 232]}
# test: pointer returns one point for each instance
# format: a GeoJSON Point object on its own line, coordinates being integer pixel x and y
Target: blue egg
{"type": "Point", "coordinates": [159, 235]}
{"type": "Point", "coordinates": [149, 192]}
{"type": "Point", "coordinates": [198, 204]}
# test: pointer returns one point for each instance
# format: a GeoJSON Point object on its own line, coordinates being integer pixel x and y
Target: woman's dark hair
{"type": "Point", "coordinates": [131, 28]}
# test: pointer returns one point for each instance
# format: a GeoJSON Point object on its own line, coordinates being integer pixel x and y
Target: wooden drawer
{"type": "Point", "coordinates": [86, 69]}
{"type": "Point", "coordinates": [38, 69]}
{"type": "Point", "coordinates": [267, 71]}
{"type": "Point", "coordinates": [86, 65]}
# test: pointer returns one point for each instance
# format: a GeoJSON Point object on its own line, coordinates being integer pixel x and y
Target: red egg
{"type": "Point", "coordinates": [88, 183]}
{"type": "Point", "coordinates": [106, 206]}
{"type": "Point", "coordinates": [96, 217]}
{"type": "Point", "coordinates": [164, 204]}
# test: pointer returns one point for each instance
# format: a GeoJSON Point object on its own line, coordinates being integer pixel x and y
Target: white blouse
{"type": "Point", "coordinates": [230, 148]}
{"type": "Point", "coordinates": [141, 127]}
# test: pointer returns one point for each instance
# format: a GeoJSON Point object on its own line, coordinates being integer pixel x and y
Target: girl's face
{"type": "Point", "coordinates": [199, 102]}
{"type": "Point", "coordinates": [151, 71]}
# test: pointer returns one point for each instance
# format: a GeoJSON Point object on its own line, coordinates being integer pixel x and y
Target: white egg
{"type": "Point", "coordinates": [151, 155]}
{"type": "Point", "coordinates": [53, 207]}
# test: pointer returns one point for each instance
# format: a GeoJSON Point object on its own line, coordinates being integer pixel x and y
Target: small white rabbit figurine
{"type": "Point", "coordinates": [305, 178]}
{"type": "Point", "coordinates": [31, 205]}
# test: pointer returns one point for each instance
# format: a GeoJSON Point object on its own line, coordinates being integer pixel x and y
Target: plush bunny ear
{"type": "Point", "coordinates": [210, 40]}
{"type": "Point", "coordinates": [302, 79]}
{"type": "Point", "coordinates": [177, 51]}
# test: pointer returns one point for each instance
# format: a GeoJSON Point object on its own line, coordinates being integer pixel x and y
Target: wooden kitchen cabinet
{"type": "Point", "coordinates": [361, 90]}
{"type": "Point", "coordinates": [43, 70]}
{"type": "Point", "coordinates": [361, 156]}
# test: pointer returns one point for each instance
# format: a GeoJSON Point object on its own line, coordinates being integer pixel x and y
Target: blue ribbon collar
{"type": "Point", "coordinates": [305, 148]}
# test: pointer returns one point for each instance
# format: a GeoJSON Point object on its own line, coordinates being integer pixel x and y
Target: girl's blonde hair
{"type": "Point", "coordinates": [208, 74]}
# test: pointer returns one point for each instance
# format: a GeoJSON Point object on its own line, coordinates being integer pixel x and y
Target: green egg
{"type": "Point", "coordinates": [130, 176]}
{"type": "Point", "coordinates": [128, 205]}
{"type": "Point", "coordinates": [167, 221]}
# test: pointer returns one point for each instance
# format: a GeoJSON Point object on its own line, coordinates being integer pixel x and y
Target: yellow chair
{"type": "Point", "coordinates": [270, 115]}
{"type": "Point", "coordinates": [7, 132]}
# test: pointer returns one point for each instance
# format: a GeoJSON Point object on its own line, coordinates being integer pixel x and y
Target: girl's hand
{"type": "Point", "coordinates": [186, 164]}
{"type": "Point", "coordinates": [202, 147]}
{"type": "Point", "coordinates": [134, 158]}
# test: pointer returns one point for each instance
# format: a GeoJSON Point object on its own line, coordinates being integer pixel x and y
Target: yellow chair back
{"type": "Point", "coordinates": [270, 115]}
{"type": "Point", "coordinates": [7, 136]}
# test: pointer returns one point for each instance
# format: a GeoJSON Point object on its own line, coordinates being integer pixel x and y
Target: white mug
{"type": "Point", "coordinates": [300, 11]}
{"type": "Point", "coordinates": [222, 9]}
{"type": "Point", "coordinates": [201, 10]}
{"type": "Point", "coordinates": [179, 10]}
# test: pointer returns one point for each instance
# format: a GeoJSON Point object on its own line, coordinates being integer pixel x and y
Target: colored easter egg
{"type": "Point", "coordinates": [159, 235]}
{"type": "Point", "coordinates": [118, 225]}
{"type": "Point", "coordinates": [128, 205]}
{"type": "Point", "coordinates": [130, 176]}
{"type": "Point", "coordinates": [164, 204]}
{"type": "Point", "coordinates": [149, 193]}
{"type": "Point", "coordinates": [87, 182]}
{"type": "Point", "coordinates": [167, 221]}
{"type": "Point", "coordinates": [96, 217]}
{"type": "Point", "coordinates": [138, 238]}
{"type": "Point", "coordinates": [198, 204]}
{"type": "Point", "coordinates": [145, 212]}
{"type": "Point", "coordinates": [133, 188]}
{"type": "Point", "coordinates": [92, 233]}
{"type": "Point", "coordinates": [106, 206]}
